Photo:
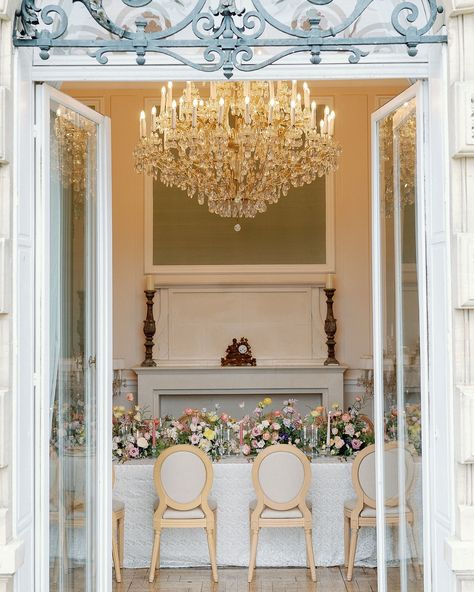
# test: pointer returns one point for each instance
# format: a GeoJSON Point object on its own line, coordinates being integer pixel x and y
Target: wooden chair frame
{"type": "Point", "coordinates": [299, 501]}
{"type": "Point", "coordinates": [65, 518]}
{"type": "Point", "coordinates": [209, 520]}
{"type": "Point", "coordinates": [353, 520]}
{"type": "Point", "coordinates": [118, 536]}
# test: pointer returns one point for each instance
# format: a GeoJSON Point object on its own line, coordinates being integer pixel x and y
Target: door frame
{"type": "Point", "coordinates": [417, 91]}
{"type": "Point", "coordinates": [338, 71]}
{"type": "Point", "coordinates": [103, 369]}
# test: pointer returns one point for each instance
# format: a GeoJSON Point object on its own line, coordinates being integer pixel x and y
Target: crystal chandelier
{"type": "Point", "coordinates": [70, 153]}
{"type": "Point", "coordinates": [241, 148]}
{"type": "Point", "coordinates": [401, 187]}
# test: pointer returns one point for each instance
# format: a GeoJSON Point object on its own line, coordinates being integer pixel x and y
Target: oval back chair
{"type": "Point", "coordinates": [281, 477]}
{"type": "Point", "coordinates": [361, 511]}
{"type": "Point", "coordinates": [183, 478]}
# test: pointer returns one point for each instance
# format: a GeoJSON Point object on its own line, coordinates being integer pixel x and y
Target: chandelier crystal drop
{"type": "Point", "coordinates": [241, 147]}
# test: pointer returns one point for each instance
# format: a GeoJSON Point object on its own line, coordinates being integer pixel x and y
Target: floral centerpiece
{"type": "Point", "coordinates": [349, 432]}
{"type": "Point", "coordinates": [68, 428]}
{"type": "Point", "coordinates": [201, 428]}
{"type": "Point", "coordinates": [283, 426]}
{"type": "Point", "coordinates": [412, 423]}
{"type": "Point", "coordinates": [132, 432]}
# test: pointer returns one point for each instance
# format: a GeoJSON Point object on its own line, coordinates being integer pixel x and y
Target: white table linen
{"type": "Point", "coordinates": [331, 486]}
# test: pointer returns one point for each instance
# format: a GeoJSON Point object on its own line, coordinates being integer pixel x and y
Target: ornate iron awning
{"type": "Point", "coordinates": [228, 36]}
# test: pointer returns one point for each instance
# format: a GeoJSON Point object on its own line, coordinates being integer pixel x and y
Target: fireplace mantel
{"type": "Point", "coordinates": [265, 380]}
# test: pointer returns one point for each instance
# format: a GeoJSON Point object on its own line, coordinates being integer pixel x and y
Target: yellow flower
{"type": "Point", "coordinates": [213, 418]}
{"type": "Point", "coordinates": [209, 434]}
{"type": "Point", "coordinates": [335, 406]}
{"type": "Point", "coordinates": [137, 417]}
{"type": "Point", "coordinates": [267, 401]}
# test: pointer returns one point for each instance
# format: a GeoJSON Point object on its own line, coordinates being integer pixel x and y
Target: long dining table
{"type": "Point", "coordinates": [331, 486]}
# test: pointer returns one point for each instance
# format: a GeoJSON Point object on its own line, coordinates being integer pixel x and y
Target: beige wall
{"type": "Point", "coordinates": [353, 105]}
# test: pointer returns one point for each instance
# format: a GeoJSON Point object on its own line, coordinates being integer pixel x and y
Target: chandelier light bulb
{"type": "Point", "coordinates": [170, 95]}
{"type": "Point", "coordinates": [163, 100]}
{"type": "Point", "coordinates": [142, 124]}
{"type": "Point", "coordinates": [292, 112]}
{"type": "Point", "coordinates": [153, 118]}
{"type": "Point", "coordinates": [314, 107]}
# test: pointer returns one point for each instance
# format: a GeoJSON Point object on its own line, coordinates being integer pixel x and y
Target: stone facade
{"type": "Point", "coordinates": [460, 548]}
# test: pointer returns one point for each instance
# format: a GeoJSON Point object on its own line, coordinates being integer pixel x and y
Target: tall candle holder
{"type": "Point", "coordinates": [149, 329]}
{"type": "Point", "coordinates": [330, 328]}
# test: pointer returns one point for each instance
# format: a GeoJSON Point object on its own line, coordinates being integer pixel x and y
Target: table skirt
{"type": "Point", "coordinates": [331, 486]}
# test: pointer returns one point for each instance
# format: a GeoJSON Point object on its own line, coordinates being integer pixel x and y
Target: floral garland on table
{"type": "Point", "coordinates": [132, 432]}
{"type": "Point", "coordinates": [201, 428]}
{"type": "Point", "coordinates": [348, 432]}
{"type": "Point", "coordinates": [412, 423]}
{"type": "Point", "coordinates": [137, 435]}
{"type": "Point", "coordinates": [283, 426]}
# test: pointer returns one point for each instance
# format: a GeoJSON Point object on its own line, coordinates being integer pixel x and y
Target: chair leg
{"type": "Point", "coordinates": [121, 539]}
{"type": "Point", "coordinates": [212, 551]}
{"type": "Point", "coordinates": [347, 538]}
{"type": "Point", "coordinates": [155, 557]}
{"type": "Point", "coordinates": [352, 552]}
{"type": "Point", "coordinates": [414, 552]}
{"type": "Point", "coordinates": [115, 556]}
{"type": "Point", "coordinates": [253, 554]}
{"type": "Point", "coordinates": [310, 553]}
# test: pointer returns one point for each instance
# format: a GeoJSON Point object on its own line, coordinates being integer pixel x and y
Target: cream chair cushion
{"type": "Point", "coordinates": [271, 513]}
{"type": "Point", "coordinates": [183, 476]}
{"type": "Point", "coordinates": [195, 513]}
{"type": "Point", "coordinates": [368, 512]}
{"type": "Point", "coordinates": [281, 476]}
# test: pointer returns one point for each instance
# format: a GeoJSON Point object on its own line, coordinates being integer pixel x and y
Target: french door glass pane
{"type": "Point", "coordinates": [73, 165]}
{"type": "Point", "coordinates": [401, 339]}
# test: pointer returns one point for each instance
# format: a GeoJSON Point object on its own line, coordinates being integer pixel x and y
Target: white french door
{"type": "Point", "coordinates": [400, 338]}
{"type": "Point", "coordinates": [74, 345]}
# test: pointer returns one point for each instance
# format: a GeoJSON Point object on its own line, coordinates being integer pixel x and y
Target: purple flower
{"type": "Point", "coordinates": [356, 444]}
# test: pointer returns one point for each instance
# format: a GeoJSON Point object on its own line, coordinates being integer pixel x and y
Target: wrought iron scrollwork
{"type": "Point", "coordinates": [227, 36]}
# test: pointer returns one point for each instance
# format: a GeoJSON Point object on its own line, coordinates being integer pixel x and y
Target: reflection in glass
{"type": "Point", "coordinates": [72, 403]}
{"type": "Point", "coordinates": [402, 392]}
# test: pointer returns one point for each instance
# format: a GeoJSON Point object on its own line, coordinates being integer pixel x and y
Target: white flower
{"type": "Point", "coordinates": [265, 423]}
{"type": "Point", "coordinates": [114, 445]}
{"type": "Point", "coordinates": [130, 438]}
{"type": "Point", "coordinates": [192, 427]}
{"type": "Point", "coordinates": [261, 443]}
{"type": "Point", "coordinates": [142, 442]}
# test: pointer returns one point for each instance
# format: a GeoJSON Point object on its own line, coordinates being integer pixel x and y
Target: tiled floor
{"type": "Point", "coordinates": [266, 580]}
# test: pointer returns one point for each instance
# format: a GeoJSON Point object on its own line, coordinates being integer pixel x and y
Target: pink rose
{"type": "Point", "coordinates": [277, 413]}
{"type": "Point", "coordinates": [358, 399]}
{"type": "Point", "coordinates": [130, 397]}
{"type": "Point", "coordinates": [356, 444]}
{"type": "Point", "coordinates": [349, 430]}
{"type": "Point", "coordinates": [275, 426]}
{"type": "Point", "coordinates": [254, 443]}
{"type": "Point", "coordinates": [266, 436]}
{"type": "Point", "coordinates": [188, 411]}
{"type": "Point", "coordinates": [133, 452]}
{"type": "Point", "coordinates": [225, 417]}
{"type": "Point", "coordinates": [246, 449]}
{"type": "Point", "coordinates": [338, 442]}
{"type": "Point", "coordinates": [346, 417]}
{"type": "Point", "coordinates": [194, 439]}
{"type": "Point", "coordinates": [256, 431]}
